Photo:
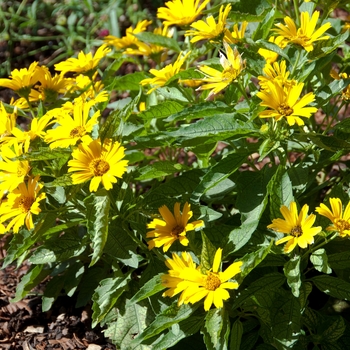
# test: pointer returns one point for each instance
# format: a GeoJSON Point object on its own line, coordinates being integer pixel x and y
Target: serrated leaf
{"type": "Point", "coordinates": [172, 93]}
{"type": "Point", "coordinates": [53, 289]}
{"type": "Point", "coordinates": [159, 40]}
{"type": "Point", "coordinates": [236, 335]}
{"type": "Point", "coordinates": [207, 254]}
{"type": "Point", "coordinates": [150, 288]}
{"type": "Point", "coordinates": [320, 261]}
{"type": "Point", "coordinates": [161, 110]}
{"type": "Point", "coordinates": [333, 286]}
{"type": "Point", "coordinates": [292, 272]}
{"type": "Point", "coordinates": [106, 295]}
{"type": "Point", "coordinates": [98, 206]}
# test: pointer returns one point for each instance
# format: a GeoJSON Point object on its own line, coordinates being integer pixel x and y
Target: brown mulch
{"type": "Point", "coordinates": [23, 326]}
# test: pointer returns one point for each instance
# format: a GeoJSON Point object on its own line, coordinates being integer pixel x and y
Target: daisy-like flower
{"type": "Point", "coordinates": [97, 162]}
{"type": "Point", "coordinates": [129, 40]}
{"type": "Point", "coordinates": [271, 56]}
{"type": "Point", "coordinates": [298, 228]}
{"type": "Point", "coordinates": [285, 103]}
{"type": "Point", "coordinates": [84, 63]}
{"type": "Point", "coordinates": [22, 80]}
{"type": "Point", "coordinates": [181, 12]}
{"type": "Point", "coordinates": [173, 227]}
{"type": "Point", "coordinates": [163, 75]}
{"type": "Point", "coordinates": [276, 73]}
{"type": "Point", "coordinates": [71, 129]}
{"type": "Point", "coordinates": [346, 92]}
{"type": "Point", "coordinates": [184, 277]}
{"type": "Point", "coordinates": [209, 29]}
{"type": "Point", "coordinates": [218, 80]}
{"type": "Point", "coordinates": [237, 34]}
{"type": "Point", "coordinates": [12, 172]}
{"type": "Point", "coordinates": [21, 204]}
{"type": "Point", "coordinates": [340, 220]}
{"type": "Point", "coordinates": [306, 35]}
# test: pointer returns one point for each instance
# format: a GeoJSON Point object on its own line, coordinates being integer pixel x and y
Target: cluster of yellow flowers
{"type": "Point", "coordinates": [60, 127]}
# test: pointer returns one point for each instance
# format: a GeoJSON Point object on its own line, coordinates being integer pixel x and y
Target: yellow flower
{"type": "Point", "coordinates": [219, 80]}
{"type": "Point", "coordinates": [181, 12]}
{"type": "Point", "coordinates": [129, 40]}
{"type": "Point", "coordinates": [21, 204]}
{"type": "Point", "coordinates": [7, 121]}
{"type": "Point", "coordinates": [209, 29]}
{"type": "Point", "coordinates": [285, 102]}
{"type": "Point", "coordinates": [306, 34]}
{"type": "Point", "coordinates": [298, 228]}
{"type": "Point", "coordinates": [184, 277]}
{"type": "Point", "coordinates": [12, 172]}
{"type": "Point", "coordinates": [163, 75]}
{"type": "Point", "coordinates": [22, 80]}
{"type": "Point", "coordinates": [173, 227]}
{"type": "Point", "coordinates": [277, 74]}
{"type": "Point", "coordinates": [97, 162]}
{"type": "Point", "coordinates": [84, 63]}
{"type": "Point", "coordinates": [346, 91]}
{"type": "Point", "coordinates": [340, 220]}
{"type": "Point", "coordinates": [237, 34]}
{"type": "Point", "coordinates": [71, 129]}
{"type": "Point", "coordinates": [271, 56]}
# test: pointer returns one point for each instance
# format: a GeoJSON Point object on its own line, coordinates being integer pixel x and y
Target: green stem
{"type": "Point", "coordinates": [296, 63]}
{"type": "Point", "coordinates": [296, 9]}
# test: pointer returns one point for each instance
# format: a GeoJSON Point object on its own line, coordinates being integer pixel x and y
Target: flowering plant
{"type": "Point", "coordinates": [209, 203]}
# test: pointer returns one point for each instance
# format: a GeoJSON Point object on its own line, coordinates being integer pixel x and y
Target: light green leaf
{"type": "Point", "coordinates": [172, 93]}
{"type": "Point", "coordinates": [236, 335]}
{"type": "Point", "coordinates": [292, 272]}
{"type": "Point", "coordinates": [106, 295]}
{"type": "Point", "coordinates": [161, 110]}
{"type": "Point", "coordinates": [160, 169]}
{"type": "Point", "coordinates": [333, 286]}
{"type": "Point", "coordinates": [263, 29]}
{"type": "Point", "coordinates": [207, 254]}
{"type": "Point", "coordinates": [128, 82]}
{"type": "Point", "coordinates": [334, 331]}
{"type": "Point", "coordinates": [159, 40]}
{"type": "Point", "coordinates": [98, 206]}
{"type": "Point", "coordinates": [320, 261]}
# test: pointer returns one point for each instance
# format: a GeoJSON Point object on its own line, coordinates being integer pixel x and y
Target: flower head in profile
{"type": "Point", "coordinates": [237, 34]}
{"type": "Point", "coordinates": [71, 129]}
{"type": "Point", "coordinates": [172, 227]}
{"type": "Point", "coordinates": [7, 121]}
{"type": "Point", "coordinates": [98, 162]}
{"type": "Point", "coordinates": [162, 76]}
{"type": "Point", "coordinates": [209, 29]}
{"type": "Point", "coordinates": [181, 12]}
{"type": "Point", "coordinates": [306, 35]}
{"type": "Point", "coordinates": [285, 102]}
{"type": "Point", "coordinates": [271, 56]}
{"type": "Point", "coordinates": [85, 63]}
{"type": "Point", "coordinates": [183, 277]}
{"type": "Point", "coordinates": [22, 80]}
{"type": "Point", "coordinates": [21, 204]}
{"type": "Point", "coordinates": [129, 40]}
{"type": "Point", "coordinates": [340, 220]}
{"type": "Point", "coordinates": [346, 92]}
{"type": "Point", "coordinates": [298, 228]}
{"type": "Point", "coordinates": [216, 80]}
{"type": "Point", "coordinates": [12, 171]}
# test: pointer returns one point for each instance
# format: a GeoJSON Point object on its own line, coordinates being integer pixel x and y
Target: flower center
{"type": "Point", "coordinates": [25, 204]}
{"type": "Point", "coordinates": [213, 281]}
{"type": "Point", "coordinates": [284, 109]}
{"type": "Point", "coordinates": [341, 225]}
{"type": "Point", "coordinates": [296, 231]}
{"type": "Point", "coordinates": [79, 131]}
{"type": "Point", "coordinates": [99, 167]}
{"type": "Point", "coordinates": [229, 74]}
{"type": "Point", "coordinates": [177, 230]}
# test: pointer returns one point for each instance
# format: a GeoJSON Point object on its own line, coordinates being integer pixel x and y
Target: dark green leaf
{"type": "Point", "coordinates": [333, 286]}
{"type": "Point", "coordinates": [161, 110]}
{"type": "Point", "coordinates": [236, 335]}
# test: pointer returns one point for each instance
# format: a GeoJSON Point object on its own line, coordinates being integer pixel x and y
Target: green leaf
{"type": "Point", "coordinates": [106, 295]}
{"type": "Point", "coordinates": [171, 315]}
{"type": "Point", "coordinates": [334, 331]}
{"type": "Point", "coordinates": [160, 169]}
{"type": "Point", "coordinates": [159, 40]}
{"type": "Point", "coordinates": [207, 254]}
{"type": "Point", "coordinates": [128, 82]}
{"type": "Point", "coordinates": [320, 261]}
{"type": "Point", "coordinates": [267, 45]}
{"type": "Point", "coordinates": [59, 249]}
{"type": "Point", "coordinates": [305, 291]}
{"type": "Point", "coordinates": [52, 290]}
{"type": "Point", "coordinates": [333, 286]}
{"type": "Point", "coordinates": [216, 329]}
{"type": "Point", "coordinates": [339, 260]}
{"type": "Point", "coordinates": [267, 147]}
{"type": "Point", "coordinates": [161, 110]}
{"type": "Point", "coordinates": [264, 27]}
{"type": "Point", "coordinates": [150, 288]}
{"type": "Point", "coordinates": [30, 280]}
{"type": "Point", "coordinates": [98, 206]}
{"type": "Point", "coordinates": [46, 153]}
{"type": "Point", "coordinates": [292, 272]}
{"type": "Point", "coordinates": [219, 172]}
{"type": "Point", "coordinates": [236, 335]}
